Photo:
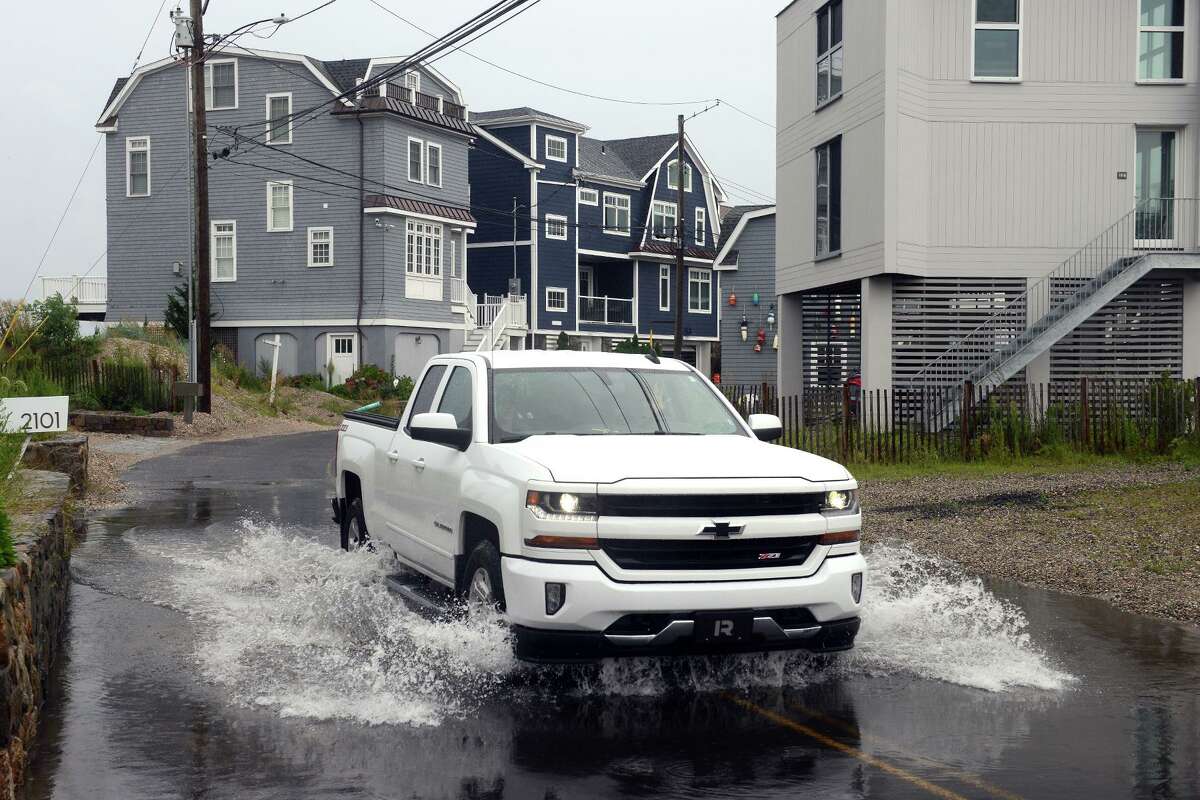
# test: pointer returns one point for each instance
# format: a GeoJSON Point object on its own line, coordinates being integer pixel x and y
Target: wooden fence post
{"type": "Point", "coordinates": [1085, 429]}
{"type": "Point", "coordinates": [845, 421]}
{"type": "Point", "coordinates": [964, 417]}
{"type": "Point", "coordinates": [1196, 427]}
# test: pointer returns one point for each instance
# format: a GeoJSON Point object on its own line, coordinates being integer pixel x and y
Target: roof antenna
{"type": "Point", "coordinates": [653, 356]}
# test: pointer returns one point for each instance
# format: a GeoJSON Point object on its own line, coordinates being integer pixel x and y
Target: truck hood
{"type": "Point", "coordinates": [608, 459]}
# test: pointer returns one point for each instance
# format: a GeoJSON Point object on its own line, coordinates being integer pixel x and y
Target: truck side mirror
{"type": "Point", "coordinates": [766, 427]}
{"type": "Point", "coordinates": [439, 428]}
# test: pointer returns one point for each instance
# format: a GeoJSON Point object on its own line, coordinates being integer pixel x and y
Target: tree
{"type": "Point", "coordinates": [564, 342]}
{"type": "Point", "coordinates": [636, 346]}
{"type": "Point", "coordinates": [57, 325]}
{"type": "Point", "coordinates": [176, 315]}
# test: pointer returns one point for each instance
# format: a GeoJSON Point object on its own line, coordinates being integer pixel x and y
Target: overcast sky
{"type": "Point", "coordinates": [61, 66]}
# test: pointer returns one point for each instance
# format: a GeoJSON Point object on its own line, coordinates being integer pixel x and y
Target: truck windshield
{"type": "Point", "coordinates": [595, 402]}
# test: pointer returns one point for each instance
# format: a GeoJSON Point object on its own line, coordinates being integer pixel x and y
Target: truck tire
{"type": "Point", "coordinates": [483, 584]}
{"type": "Point", "coordinates": [354, 527]}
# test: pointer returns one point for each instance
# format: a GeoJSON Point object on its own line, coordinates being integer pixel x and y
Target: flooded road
{"type": "Point", "coordinates": [220, 647]}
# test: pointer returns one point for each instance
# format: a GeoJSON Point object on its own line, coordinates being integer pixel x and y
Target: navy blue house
{"type": "Point", "coordinates": [592, 237]}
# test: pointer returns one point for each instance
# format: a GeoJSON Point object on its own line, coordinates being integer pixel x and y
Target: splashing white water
{"type": "Point", "coordinates": [292, 624]}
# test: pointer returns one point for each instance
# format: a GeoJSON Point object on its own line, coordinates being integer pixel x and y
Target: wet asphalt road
{"type": "Point", "coordinates": [176, 682]}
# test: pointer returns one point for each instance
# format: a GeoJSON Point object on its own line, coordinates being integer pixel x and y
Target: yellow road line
{"type": "Point", "coordinates": [834, 744]}
{"type": "Point", "coordinates": [965, 777]}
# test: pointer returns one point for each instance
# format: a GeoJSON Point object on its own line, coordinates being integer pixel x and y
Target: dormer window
{"type": "Point", "coordinates": [663, 220]}
{"type": "Point", "coordinates": [556, 148]}
{"type": "Point", "coordinates": [673, 176]}
{"type": "Point", "coordinates": [412, 81]}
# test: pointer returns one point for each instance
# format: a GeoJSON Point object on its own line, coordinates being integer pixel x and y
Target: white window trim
{"type": "Point", "coordinates": [700, 229]}
{"type": "Point", "coordinates": [208, 65]}
{"type": "Point", "coordinates": [555, 308]}
{"type": "Point", "coordinates": [654, 204]}
{"type": "Point", "coordinates": [628, 211]}
{"type": "Point", "coordinates": [595, 194]}
{"type": "Point", "coordinates": [212, 249]}
{"type": "Point", "coordinates": [687, 174]}
{"type": "Point", "coordinates": [129, 151]}
{"type": "Point", "coordinates": [549, 218]}
{"type": "Point", "coordinates": [546, 147]}
{"type": "Point", "coordinates": [408, 159]}
{"type": "Point", "coordinates": [412, 73]}
{"type": "Point", "coordinates": [441, 165]}
{"type": "Point", "coordinates": [320, 229]}
{"type": "Point", "coordinates": [707, 275]}
{"type": "Point", "coordinates": [1019, 27]}
{"type": "Point", "coordinates": [834, 48]}
{"type": "Point", "coordinates": [291, 207]}
{"type": "Point", "coordinates": [664, 271]}
{"type": "Point", "coordinates": [1139, 29]}
{"type": "Point", "coordinates": [269, 98]}
{"type": "Point", "coordinates": [431, 231]}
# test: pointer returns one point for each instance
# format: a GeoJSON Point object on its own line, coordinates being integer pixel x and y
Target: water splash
{"type": "Point", "coordinates": [290, 623]}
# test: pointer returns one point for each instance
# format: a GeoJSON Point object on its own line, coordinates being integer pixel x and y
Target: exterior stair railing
{"type": "Point", "coordinates": [510, 312]}
{"type": "Point", "coordinates": [988, 355]}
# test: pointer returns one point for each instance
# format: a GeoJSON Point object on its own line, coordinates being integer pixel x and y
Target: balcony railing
{"type": "Point", "coordinates": [85, 291]}
{"type": "Point", "coordinates": [432, 102]}
{"type": "Point", "coordinates": [459, 291]}
{"type": "Point", "coordinates": [606, 310]}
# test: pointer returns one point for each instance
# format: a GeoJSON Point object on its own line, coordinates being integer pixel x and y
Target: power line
{"type": "Point", "coordinates": [747, 191]}
{"type": "Point", "coordinates": [744, 113]}
{"type": "Point", "coordinates": [157, 15]}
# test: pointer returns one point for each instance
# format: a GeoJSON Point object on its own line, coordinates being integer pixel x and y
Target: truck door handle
{"type": "Point", "coordinates": [394, 456]}
{"type": "Point", "coordinates": [418, 464]}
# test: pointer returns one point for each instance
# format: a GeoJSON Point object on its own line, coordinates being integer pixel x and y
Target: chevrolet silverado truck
{"type": "Point", "coordinates": [609, 505]}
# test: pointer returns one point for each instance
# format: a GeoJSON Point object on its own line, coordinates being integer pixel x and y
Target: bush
{"type": "Point", "coordinates": [227, 367]}
{"type": "Point", "coordinates": [370, 383]}
{"type": "Point", "coordinates": [309, 381]}
{"type": "Point", "coordinates": [8, 556]}
{"type": "Point", "coordinates": [635, 346]}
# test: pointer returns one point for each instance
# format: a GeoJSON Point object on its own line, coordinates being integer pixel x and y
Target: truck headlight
{"type": "Point", "coordinates": [840, 501]}
{"type": "Point", "coordinates": [561, 506]}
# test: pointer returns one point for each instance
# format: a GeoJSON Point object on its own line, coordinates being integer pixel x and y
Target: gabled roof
{"type": "Point", "coordinates": [523, 114]}
{"type": "Point", "coordinates": [733, 222]}
{"type": "Point", "coordinates": [597, 158]}
{"type": "Point", "coordinates": [345, 72]}
{"type": "Point", "coordinates": [642, 153]}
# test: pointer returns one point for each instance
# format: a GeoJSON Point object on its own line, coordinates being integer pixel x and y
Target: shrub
{"type": "Point", "coordinates": [635, 345]}
{"type": "Point", "coordinates": [176, 314]}
{"type": "Point", "coordinates": [370, 383]}
{"type": "Point", "coordinates": [563, 342]}
{"type": "Point", "coordinates": [8, 555]}
{"type": "Point", "coordinates": [310, 381]}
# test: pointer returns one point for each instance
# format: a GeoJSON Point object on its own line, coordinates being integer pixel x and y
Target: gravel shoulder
{"type": "Point", "coordinates": [1128, 535]}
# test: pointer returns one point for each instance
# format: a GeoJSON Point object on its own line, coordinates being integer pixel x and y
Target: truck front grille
{"type": "Point", "coordinates": [709, 505]}
{"type": "Point", "coordinates": [708, 554]}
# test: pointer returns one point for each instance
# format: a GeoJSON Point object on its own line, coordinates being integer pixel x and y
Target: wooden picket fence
{"type": "Point", "coordinates": [965, 422]}
{"type": "Point", "coordinates": [110, 385]}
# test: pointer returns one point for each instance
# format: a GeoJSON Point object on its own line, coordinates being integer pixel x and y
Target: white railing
{"type": "Point", "coordinates": [459, 291]}
{"type": "Point", "coordinates": [510, 312]}
{"type": "Point", "coordinates": [90, 291]}
{"type": "Point", "coordinates": [608, 310]}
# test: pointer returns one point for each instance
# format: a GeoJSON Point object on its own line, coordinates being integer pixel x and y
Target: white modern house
{"type": "Point", "coordinates": [992, 190]}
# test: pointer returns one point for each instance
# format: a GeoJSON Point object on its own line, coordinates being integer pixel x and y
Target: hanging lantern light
{"type": "Point", "coordinates": [754, 298]}
{"type": "Point", "coordinates": [732, 299]}
{"type": "Point", "coordinates": [744, 328]}
{"type": "Point", "coordinates": [775, 341]}
{"type": "Point", "coordinates": [771, 317]}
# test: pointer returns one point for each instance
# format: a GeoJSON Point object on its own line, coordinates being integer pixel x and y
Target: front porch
{"type": "Point", "coordinates": [607, 296]}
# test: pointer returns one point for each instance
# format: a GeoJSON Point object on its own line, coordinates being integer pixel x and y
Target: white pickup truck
{"type": "Point", "coordinates": [609, 504]}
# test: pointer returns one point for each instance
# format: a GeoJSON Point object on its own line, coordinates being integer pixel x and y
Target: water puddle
{"type": "Point", "coordinates": [289, 623]}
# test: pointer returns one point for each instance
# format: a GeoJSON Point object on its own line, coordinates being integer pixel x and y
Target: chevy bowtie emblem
{"type": "Point", "coordinates": [720, 529]}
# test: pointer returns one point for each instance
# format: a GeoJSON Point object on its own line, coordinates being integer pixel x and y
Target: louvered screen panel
{"type": "Point", "coordinates": [832, 335]}
{"type": "Point", "coordinates": [1137, 335]}
{"type": "Point", "coordinates": [931, 315]}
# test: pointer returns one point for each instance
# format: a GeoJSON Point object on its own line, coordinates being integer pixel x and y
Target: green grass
{"type": "Point", "coordinates": [1066, 461]}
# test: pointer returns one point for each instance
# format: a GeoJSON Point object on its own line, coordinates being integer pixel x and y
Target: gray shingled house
{"type": "Point", "coordinates": [745, 267]}
{"type": "Point", "coordinates": [345, 270]}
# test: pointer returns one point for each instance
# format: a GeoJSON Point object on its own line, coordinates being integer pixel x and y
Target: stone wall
{"type": "Point", "coordinates": [116, 422]}
{"type": "Point", "coordinates": [67, 454]}
{"type": "Point", "coordinates": [33, 614]}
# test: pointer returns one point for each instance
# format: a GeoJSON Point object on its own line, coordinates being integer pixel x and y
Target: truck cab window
{"type": "Point", "coordinates": [423, 399]}
{"type": "Point", "coordinates": [456, 399]}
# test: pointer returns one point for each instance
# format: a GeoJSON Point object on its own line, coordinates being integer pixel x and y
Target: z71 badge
{"type": "Point", "coordinates": [768, 556]}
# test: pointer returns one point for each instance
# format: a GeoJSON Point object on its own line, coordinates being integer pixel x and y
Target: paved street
{"type": "Point", "coordinates": [221, 647]}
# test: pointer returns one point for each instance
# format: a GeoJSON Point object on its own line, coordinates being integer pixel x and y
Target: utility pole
{"type": "Point", "coordinates": [200, 207]}
{"type": "Point", "coordinates": [679, 244]}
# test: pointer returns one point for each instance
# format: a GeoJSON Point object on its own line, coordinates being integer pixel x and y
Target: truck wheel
{"type": "Point", "coordinates": [354, 527]}
{"type": "Point", "coordinates": [483, 585]}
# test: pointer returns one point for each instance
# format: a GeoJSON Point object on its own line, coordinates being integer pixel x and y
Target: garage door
{"type": "Point", "coordinates": [413, 350]}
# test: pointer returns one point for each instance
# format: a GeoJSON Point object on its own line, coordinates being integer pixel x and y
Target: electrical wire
{"type": "Point", "coordinates": [158, 14]}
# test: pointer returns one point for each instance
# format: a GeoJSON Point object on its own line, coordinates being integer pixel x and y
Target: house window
{"type": "Point", "coordinates": [701, 226]}
{"type": "Point", "coordinates": [829, 53]}
{"type": "Point", "coordinates": [137, 167]}
{"type": "Point", "coordinates": [556, 227]}
{"type": "Point", "coordinates": [220, 85]}
{"type": "Point", "coordinates": [320, 247]}
{"type": "Point", "coordinates": [556, 148]}
{"type": "Point", "coordinates": [223, 250]}
{"type": "Point", "coordinates": [616, 213]}
{"type": "Point", "coordinates": [279, 118]}
{"type": "Point", "coordinates": [699, 291]}
{"type": "Point", "coordinates": [556, 299]}
{"type": "Point", "coordinates": [433, 164]}
{"type": "Point", "coordinates": [1160, 40]}
{"type": "Point", "coordinates": [829, 198]}
{"type": "Point", "coordinates": [424, 249]}
{"type": "Point", "coordinates": [589, 197]}
{"type": "Point", "coordinates": [996, 42]}
{"type": "Point", "coordinates": [664, 288]}
{"type": "Point", "coordinates": [663, 221]}
{"type": "Point", "coordinates": [416, 167]}
{"type": "Point", "coordinates": [279, 206]}
{"type": "Point", "coordinates": [673, 176]}
{"type": "Point", "coordinates": [412, 80]}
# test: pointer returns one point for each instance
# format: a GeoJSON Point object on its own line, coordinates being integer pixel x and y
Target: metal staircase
{"type": "Point", "coordinates": [1152, 236]}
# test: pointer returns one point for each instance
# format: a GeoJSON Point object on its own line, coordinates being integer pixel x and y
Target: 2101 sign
{"type": "Point", "coordinates": [33, 414]}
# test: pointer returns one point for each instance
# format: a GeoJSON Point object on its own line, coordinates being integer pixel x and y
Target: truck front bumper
{"type": "Point", "coordinates": [817, 612]}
